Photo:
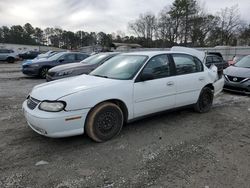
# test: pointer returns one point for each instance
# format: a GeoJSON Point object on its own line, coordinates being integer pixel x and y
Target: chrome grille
{"type": "Point", "coordinates": [235, 79]}
{"type": "Point", "coordinates": [32, 103]}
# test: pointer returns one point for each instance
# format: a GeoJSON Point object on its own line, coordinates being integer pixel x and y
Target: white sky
{"type": "Point", "coordinates": [94, 15]}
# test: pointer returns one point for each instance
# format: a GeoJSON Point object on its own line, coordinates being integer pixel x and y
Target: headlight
{"type": "Point", "coordinates": [64, 73]}
{"type": "Point", "coordinates": [52, 106]}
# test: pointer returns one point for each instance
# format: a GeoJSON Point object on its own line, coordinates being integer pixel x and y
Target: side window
{"type": "Point", "coordinates": [209, 60]}
{"type": "Point", "coordinates": [4, 51]}
{"type": "Point", "coordinates": [69, 57]}
{"type": "Point", "coordinates": [217, 59]}
{"type": "Point", "coordinates": [158, 66]}
{"type": "Point", "coordinates": [80, 56]}
{"type": "Point", "coordinates": [186, 64]}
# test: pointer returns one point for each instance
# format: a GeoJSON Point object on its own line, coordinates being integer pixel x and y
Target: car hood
{"type": "Point", "coordinates": [57, 89]}
{"type": "Point", "coordinates": [69, 67]}
{"type": "Point", "coordinates": [237, 72]}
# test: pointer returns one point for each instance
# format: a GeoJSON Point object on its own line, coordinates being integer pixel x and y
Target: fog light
{"type": "Point", "coordinates": [42, 131]}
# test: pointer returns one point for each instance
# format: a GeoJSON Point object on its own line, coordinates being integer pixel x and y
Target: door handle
{"type": "Point", "coordinates": [170, 83]}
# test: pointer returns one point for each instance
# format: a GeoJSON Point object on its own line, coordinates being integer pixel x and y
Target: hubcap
{"type": "Point", "coordinates": [44, 72]}
{"type": "Point", "coordinates": [106, 122]}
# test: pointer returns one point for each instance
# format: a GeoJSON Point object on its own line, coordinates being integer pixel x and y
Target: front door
{"type": "Point", "coordinates": [158, 93]}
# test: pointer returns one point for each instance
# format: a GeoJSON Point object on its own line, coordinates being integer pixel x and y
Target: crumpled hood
{"type": "Point", "coordinates": [237, 72]}
{"type": "Point", "coordinates": [60, 88]}
{"type": "Point", "coordinates": [68, 66]}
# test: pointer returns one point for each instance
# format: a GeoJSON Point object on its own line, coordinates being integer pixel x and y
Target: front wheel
{"type": "Point", "coordinates": [205, 100]}
{"type": "Point", "coordinates": [104, 122]}
{"type": "Point", "coordinates": [43, 72]}
{"type": "Point", "coordinates": [10, 59]}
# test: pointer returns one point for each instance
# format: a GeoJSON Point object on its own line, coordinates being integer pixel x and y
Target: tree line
{"type": "Point", "coordinates": [184, 22]}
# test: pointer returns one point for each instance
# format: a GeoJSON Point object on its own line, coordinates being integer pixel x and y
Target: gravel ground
{"type": "Point", "coordinates": [174, 149]}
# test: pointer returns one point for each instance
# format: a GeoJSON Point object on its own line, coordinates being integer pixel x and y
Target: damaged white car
{"type": "Point", "coordinates": [126, 87]}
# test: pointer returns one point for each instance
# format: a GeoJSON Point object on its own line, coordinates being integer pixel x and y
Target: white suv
{"type": "Point", "coordinates": [8, 55]}
{"type": "Point", "coordinates": [126, 87]}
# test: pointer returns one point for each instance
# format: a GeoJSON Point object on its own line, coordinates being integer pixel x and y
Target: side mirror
{"type": "Point", "coordinates": [61, 60]}
{"type": "Point", "coordinates": [147, 75]}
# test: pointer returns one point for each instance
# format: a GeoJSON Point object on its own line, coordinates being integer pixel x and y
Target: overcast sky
{"type": "Point", "coordinates": [94, 15]}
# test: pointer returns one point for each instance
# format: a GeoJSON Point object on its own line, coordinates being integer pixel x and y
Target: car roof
{"type": "Point", "coordinates": [154, 53]}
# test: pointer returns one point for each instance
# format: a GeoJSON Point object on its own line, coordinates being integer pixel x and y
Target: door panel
{"type": "Point", "coordinates": [158, 93]}
{"type": "Point", "coordinates": [153, 96]}
{"type": "Point", "coordinates": [190, 79]}
{"type": "Point", "coordinates": [188, 88]}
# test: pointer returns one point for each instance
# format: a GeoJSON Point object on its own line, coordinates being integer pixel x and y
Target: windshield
{"type": "Point", "coordinates": [55, 56]}
{"type": "Point", "coordinates": [94, 59]}
{"type": "Point", "coordinates": [244, 62]}
{"type": "Point", "coordinates": [121, 67]}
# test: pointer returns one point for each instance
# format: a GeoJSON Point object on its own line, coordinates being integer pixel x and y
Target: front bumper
{"type": "Point", "coordinates": [30, 71]}
{"type": "Point", "coordinates": [55, 124]}
{"type": "Point", "coordinates": [237, 87]}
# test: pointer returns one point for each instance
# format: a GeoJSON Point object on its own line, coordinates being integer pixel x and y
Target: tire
{"type": "Point", "coordinates": [43, 72]}
{"type": "Point", "coordinates": [10, 59]}
{"type": "Point", "coordinates": [205, 100]}
{"type": "Point", "coordinates": [104, 122]}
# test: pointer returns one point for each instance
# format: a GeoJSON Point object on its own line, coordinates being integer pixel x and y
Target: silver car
{"type": "Point", "coordinates": [8, 55]}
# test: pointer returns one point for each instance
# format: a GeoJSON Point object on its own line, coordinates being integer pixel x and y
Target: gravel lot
{"type": "Point", "coordinates": [175, 149]}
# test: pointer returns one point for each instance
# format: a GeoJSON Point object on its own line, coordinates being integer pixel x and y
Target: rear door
{"type": "Point", "coordinates": [158, 93]}
{"type": "Point", "coordinates": [190, 78]}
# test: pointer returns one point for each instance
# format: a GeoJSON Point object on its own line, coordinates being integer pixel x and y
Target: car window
{"type": "Point", "coordinates": [159, 66]}
{"type": "Point", "coordinates": [95, 59]}
{"type": "Point", "coordinates": [217, 59]}
{"type": "Point", "coordinates": [186, 64]}
{"type": "Point", "coordinates": [209, 59]}
{"type": "Point", "coordinates": [121, 67]}
{"type": "Point", "coordinates": [80, 56]}
{"type": "Point", "coordinates": [4, 51]}
{"type": "Point", "coordinates": [69, 57]}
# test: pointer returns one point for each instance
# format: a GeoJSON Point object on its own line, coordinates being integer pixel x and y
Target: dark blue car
{"type": "Point", "coordinates": [40, 67]}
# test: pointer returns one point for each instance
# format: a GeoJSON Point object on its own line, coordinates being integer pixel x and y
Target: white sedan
{"type": "Point", "coordinates": [126, 87]}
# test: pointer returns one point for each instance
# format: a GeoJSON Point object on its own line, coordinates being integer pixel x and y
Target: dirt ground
{"type": "Point", "coordinates": [175, 149]}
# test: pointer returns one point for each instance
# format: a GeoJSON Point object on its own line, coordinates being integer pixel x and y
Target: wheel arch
{"type": "Point", "coordinates": [209, 86]}
{"type": "Point", "coordinates": [118, 102]}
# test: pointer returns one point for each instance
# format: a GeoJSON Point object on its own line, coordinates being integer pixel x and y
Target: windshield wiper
{"type": "Point", "coordinates": [99, 75]}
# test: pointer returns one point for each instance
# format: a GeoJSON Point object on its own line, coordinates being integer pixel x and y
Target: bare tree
{"type": "Point", "coordinates": [144, 26]}
{"type": "Point", "coordinates": [229, 23]}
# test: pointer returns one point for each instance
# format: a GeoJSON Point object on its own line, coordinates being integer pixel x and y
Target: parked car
{"type": "Point", "coordinates": [29, 55]}
{"type": "Point", "coordinates": [216, 59]}
{"type": "Point", "coordinates": [47, 54]}
{"type": "Point", "coordinates": [8, 55]}
{"type": "Point", "coordinates": [84, 67]}
{"type": "Point", "coordinates": [235, 59]}
{"type": "Point", "coordinates": [40, 67]}
{"type": "Point", "coordinates": [237, 77]}
{"type": "Point", "coordinates": [126, 87]}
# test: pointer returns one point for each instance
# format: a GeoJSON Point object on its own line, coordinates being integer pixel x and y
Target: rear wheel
{"type": "Point", "coordinates": [43, 72]}
{"type": "Point", "coordinates": [205, 100]}
{"type": "Point", "coordinates": [10, 59]}
{"type": "Point", "coordinates": [104, 122]}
